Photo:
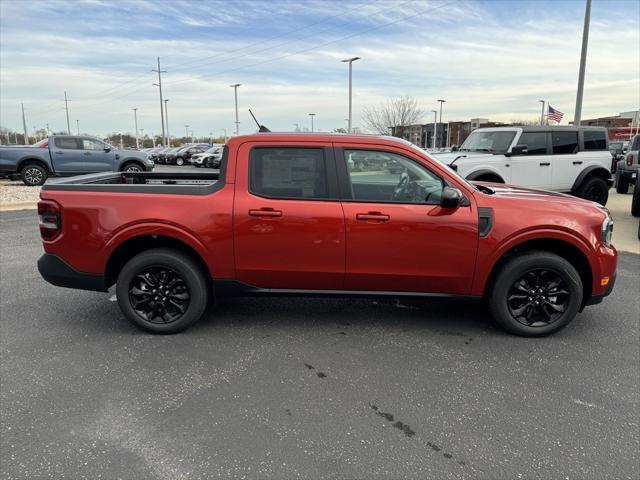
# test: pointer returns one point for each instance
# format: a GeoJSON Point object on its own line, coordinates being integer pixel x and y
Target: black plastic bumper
{"type": "Point", "coordinates": [595, 299]}
{"type": "Point", "coordinates": [57, 272]}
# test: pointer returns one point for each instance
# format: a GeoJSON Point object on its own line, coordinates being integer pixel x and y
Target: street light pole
{"type": "Point", "coordinates": [78, 126]}
{"type": "Point", "coordinates": [312, 115]}
{"type": "Point", "coordinates": [135, 119]}
{"type": "Point", "coordinates": [435, 128]}
{"type": "Point", "coordinates": [441, 102]}
{"type": "Point", "coordinates": [166, 117]}
{"type": "Point", "coordinates": [350, 61]}
{"type": "Point", "coordinates": [142, 135]}
{"type": "Point", "coordinates": [159, 85]}
{"type": "Point", "coordinates": [235, 93]}
{"type": "Point", "coordinates": [66, 106]}
{"type": "Point", "coordinates": [542, 113]}
{"type": "Point", "coordinates": [583, 63]}
{"type": "Point", "coordinates": [24, 127]}
{"type": "Point", "coordinates": [186, 131]}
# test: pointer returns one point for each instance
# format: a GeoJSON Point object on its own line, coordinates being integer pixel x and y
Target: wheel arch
{"type": "Point", "coordinates": [134, 245]}
{"type": "Point", "coordinates": [124, 162]}
{"type": "Point", "coordinates": [593, 170]}
{"type": "Point", "coordinates": [561, 247]}
{"type": "Point", "coordinates": [485, 172]}
{"type": "Point", "coordinates": [30, 161]}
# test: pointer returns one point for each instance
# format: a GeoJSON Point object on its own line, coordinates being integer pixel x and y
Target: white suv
{"type": "Point", "coordinates": [574, 160]}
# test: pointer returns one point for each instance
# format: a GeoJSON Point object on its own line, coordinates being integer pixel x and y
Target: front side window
{"type": "Point", "coordinates": [378, 176]}
{"type": "Point", "coordinates": [595, 140]}
{"type": "Point", "coordinates": [68, 143]}
{"type": "Point", "coordinates": [91, 144]}
{"type": "Point", "coordinates": [565, 142]}
{"type": "Point", "coordinates": [536, 142]}
{"type": "Point", "coordinates": [294, 173]}
{"type": "Point", "coordinates": [491, 142]}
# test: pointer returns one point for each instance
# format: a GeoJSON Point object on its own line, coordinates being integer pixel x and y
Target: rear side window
{"type": "Point", "coordinates": [536, 142]}
{"type": "Point", "coordinates": [595, 140]}
{"type": "Point", "coordinates": [565, 142]}
{"type": "Point", "coordinates": [295, 173]}
{"type": "Point", "coordinates": [68, 143]}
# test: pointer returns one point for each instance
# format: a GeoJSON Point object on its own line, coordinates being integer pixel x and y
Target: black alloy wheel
{"type": "Point", "coordinates": [159, 295]}
{"type": "Point", "coordinates": [538, 298]}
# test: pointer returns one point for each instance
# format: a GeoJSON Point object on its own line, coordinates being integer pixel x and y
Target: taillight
{"type": "Point", "coordinates": [629, 159]}
{"type": "Point", "coordinates": [50, 219]}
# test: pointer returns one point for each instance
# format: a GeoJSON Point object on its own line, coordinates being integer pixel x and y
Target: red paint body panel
{"type": "Point", "coordinates": [322, 245]}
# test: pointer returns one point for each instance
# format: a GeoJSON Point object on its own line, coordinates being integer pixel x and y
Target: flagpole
{"type": "Point", "coordinates": [583, 62]}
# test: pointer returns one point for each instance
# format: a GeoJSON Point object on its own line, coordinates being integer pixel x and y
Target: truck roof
{"type": "Point", "coordinates": [318, 137]}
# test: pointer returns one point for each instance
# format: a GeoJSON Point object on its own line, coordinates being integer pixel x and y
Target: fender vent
{"type": "Point", "coordinates": [485, 221]}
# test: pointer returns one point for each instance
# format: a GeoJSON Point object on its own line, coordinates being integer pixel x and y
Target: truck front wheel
{"type": "Point", "coordinates": [535, 294]}
{"type": "Point", "coordinates": [162, 291]}
{"type": "Point", "coordinates": [622, 183]}
{"type": "Point", "coordinates": [33, 175]}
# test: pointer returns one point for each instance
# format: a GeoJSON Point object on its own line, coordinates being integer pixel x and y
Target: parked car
{"type": "Point", "coordinates": [627, 168]}
{"type": "Point", "coordinates": [210, 158]}
{"type": "Point", "coordinates": [164, 154]}
{"type": "Point", "coordinates": [287, 215]}
{"type": "Point", "coordinates": [573, 160]}
{"type": "Point", "coordinates": [67, 155]}
{"type": "Point", "coordinates": [183, 156]}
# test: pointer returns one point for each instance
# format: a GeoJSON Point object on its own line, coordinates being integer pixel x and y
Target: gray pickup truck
{"type": "Point", "coordinates": [68, 155]}
{"type": "Point", "coordinates": [627, 168]}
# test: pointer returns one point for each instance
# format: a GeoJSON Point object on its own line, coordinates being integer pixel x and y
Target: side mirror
{"type": "Point", "coordinates": [451, 197]}
{"type": "Point", "coordinates": [107, 148]}
{"type": "Point", "coordinates": [519, 150]}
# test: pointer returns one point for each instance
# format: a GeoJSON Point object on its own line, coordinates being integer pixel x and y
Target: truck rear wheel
{"type": "Point", "coordinates": [162, 291]}
{"type": "Point", "coordinates": [622, 183]}
{"type": "Point", "coordinates": [535, 294]}
{"type": "Point", "coordinates": [33, 175]}
{"type": "Point", "coordinates": [635, 200]}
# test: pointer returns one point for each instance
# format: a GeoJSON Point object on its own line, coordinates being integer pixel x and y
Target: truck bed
{"type": "Point", "coordinates": [191, 183]}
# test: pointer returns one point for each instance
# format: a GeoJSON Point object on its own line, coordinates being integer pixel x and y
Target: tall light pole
{"type": "Point", "coordinates": [350, 61]}
{"type": "Point", "coordinates": [78, 126]}
{"type": "Point", "coordinates": [583, 63]}
{"type": "Point", "coordinates": [166, 117]}
{"type": "Point", "coordinates": [159, 85]}
{"type": "Point", "coordinates": [186, 131]}
{"type": "Point", "coordinates": [235, 93]}
{"type": "Point", "coordinates": [135, 120]}
{"type": "Point", "coordinates": [24, 127]}
{"type": "Point", "coordinates": [441, 102]}
{"type": "Point", "coordinates": [142, 135]}
{"type": "Point", "coordinates": [312, 115]}
{"type": "Point", "coordinates": [435, 128]}
{"type": "Point", "coordinates": [66, 106]}
{"type": "Point", "coordinates": [542, 113]}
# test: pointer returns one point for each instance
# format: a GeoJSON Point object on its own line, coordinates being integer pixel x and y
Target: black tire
{"type": "Point", "coordinates": [132, 167]}
{"type": "Point", "coordinates": [635, 200]}
{"type": "Point", "coordinates": [531, 267]}
{"type": "Point", "coordinates": [595, 189]}
{"type": "Point", "coordinates": [622, 183]}
{"type": "Point", "coordinates": [179, 161]}
{"type": "Point", "coordinates": [33, 174]}
{"type": "Point", "coordinates": [186, 289]}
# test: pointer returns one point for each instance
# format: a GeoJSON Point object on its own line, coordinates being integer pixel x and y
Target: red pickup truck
{"type": "Point", "coordinates": [332, 214]}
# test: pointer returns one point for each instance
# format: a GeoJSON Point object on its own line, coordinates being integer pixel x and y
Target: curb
{"type": "Point", "coordinates": [9, 207]}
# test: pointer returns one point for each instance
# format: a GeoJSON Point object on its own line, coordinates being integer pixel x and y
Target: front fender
{"type": "Point", "coordinates": [479, 172]}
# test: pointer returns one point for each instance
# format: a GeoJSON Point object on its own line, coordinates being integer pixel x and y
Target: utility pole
{"type": "Point", "coordinates": [66, 106]}
{"type": "Point", "coordinates": [135, 120]}
{"type": "Point", "coordinates": [166, 116]}
{"type": "Point", "coordinates": [24, 127]}
{"type": "Point", "coordinates": [350, 61]}
{"type": "Point", "coordinates": [435, 128]}
{"type": "Point", "coordinates": [186, 132]}
{"type": "Point", "coordinates": [312, 115]}
{"type": "Point", "coordinates": [142, 135]}
{"type": "Point", "coordinates": [441, 102]}
{"type": "Point", "coordinates": [542, 113]}
{"type": "Point", "coordinates": [235, 92]}
{"type": "Point", "coordinates": [583, 63]}
{"type": "Point", "coordinates": [78, 126]}
{"type": "Point", "coordinates": [159, 85]}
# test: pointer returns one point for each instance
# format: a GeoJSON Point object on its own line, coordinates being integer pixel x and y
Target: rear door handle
{"type": "Point", "coordinates": [59, 152]}
{"type": "Point", "coordinates": [544, 164]}
{"type": "Point", "coordinates": [578, 162]}
{"type": "Point", "coordinates": [265, 212]}
{"type": "Point", "coordinates": [373, 216]}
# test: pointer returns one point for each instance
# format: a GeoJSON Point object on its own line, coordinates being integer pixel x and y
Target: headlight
{"type": "Point", "coordinates": [607, 230]}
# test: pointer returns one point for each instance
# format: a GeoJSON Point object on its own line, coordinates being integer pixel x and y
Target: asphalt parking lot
{"type": "Point", "coordinates": [309, 388]}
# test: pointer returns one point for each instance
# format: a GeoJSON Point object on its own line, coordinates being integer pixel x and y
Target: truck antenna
{"type": "Point", "coordinates": [261, 128]}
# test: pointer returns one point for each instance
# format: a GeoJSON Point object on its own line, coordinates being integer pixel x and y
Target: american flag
{"type": "Point", "coordinates": [555, 115]}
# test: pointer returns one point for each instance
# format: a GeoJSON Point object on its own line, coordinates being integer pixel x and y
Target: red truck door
{"type": "Point", "coordinates": [289, 228]}
{"type": "Point", "coordinates": [398, 236]}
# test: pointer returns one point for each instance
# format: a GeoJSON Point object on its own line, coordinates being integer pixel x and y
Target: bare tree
{"type": "Point", "coordinates": [396, 112]}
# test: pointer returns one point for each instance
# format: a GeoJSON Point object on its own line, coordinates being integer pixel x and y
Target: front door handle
{"type": "Point", "coordinates": [59, 152]}
{"type": "Point", "coordinates": [578, 162]}
{"type": "Point", "coordinates": [544, 164]}
{"type": "Point", "coordinates": [372, 216]}
{"type": "Point", "coordinates": [265, 212]}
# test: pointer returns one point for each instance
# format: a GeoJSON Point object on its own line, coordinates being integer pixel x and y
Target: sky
{"type": "Point", "coordinates": [490, 59]}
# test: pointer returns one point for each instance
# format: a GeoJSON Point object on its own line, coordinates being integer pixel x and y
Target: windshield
{"type": "Point", "coordinates": [492, 142]}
